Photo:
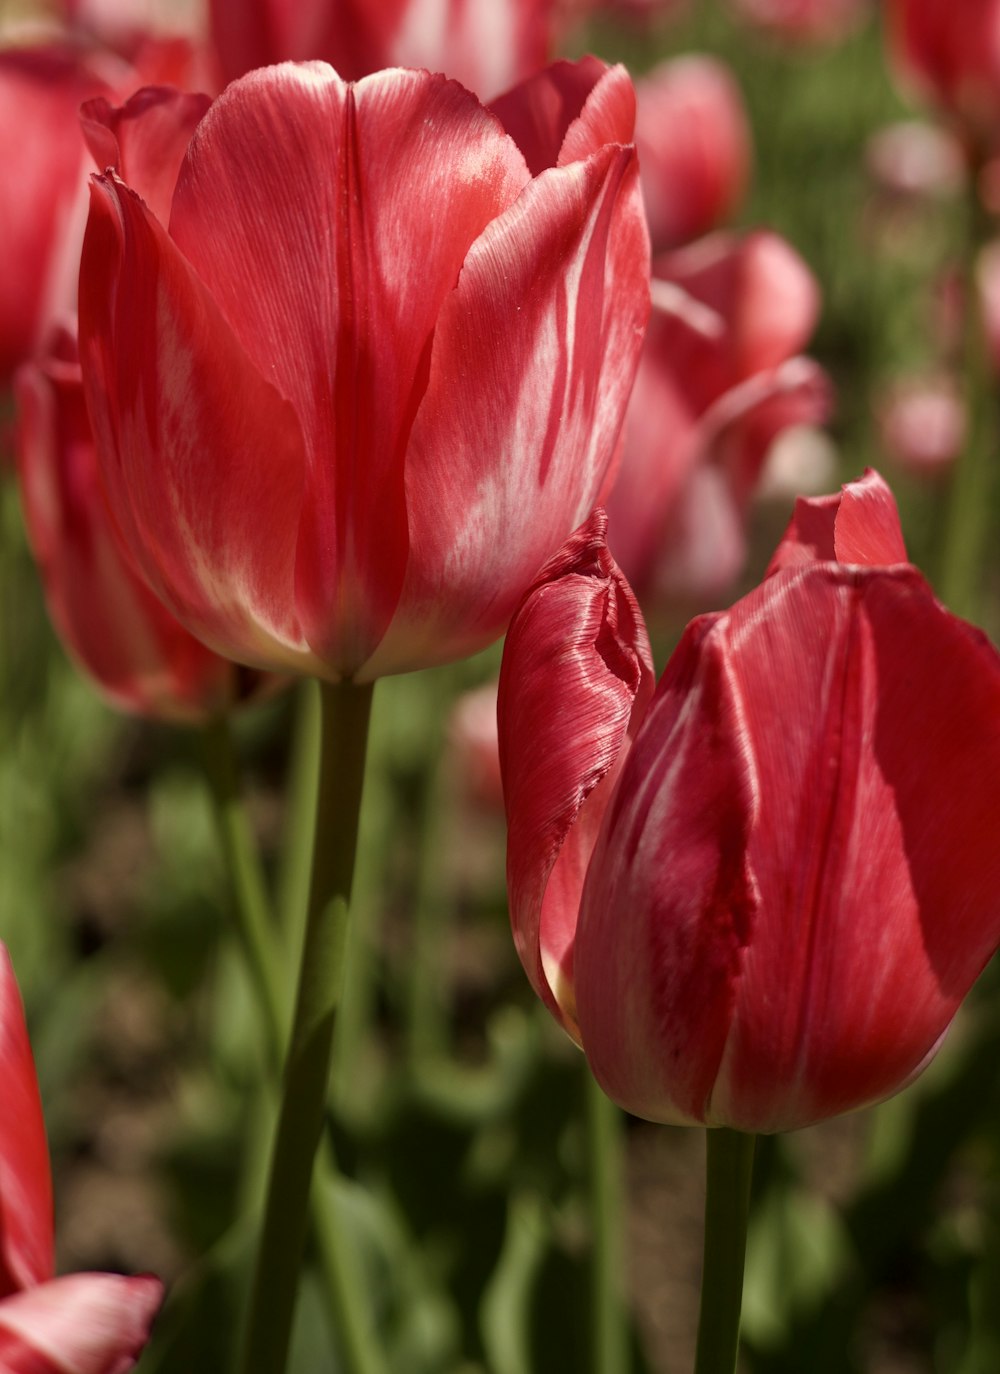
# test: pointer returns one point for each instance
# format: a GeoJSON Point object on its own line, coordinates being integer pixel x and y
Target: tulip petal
{"type": "Point", "coordinates": [576, 677]}
{"type": "Point", "coordinates": [194, 443]}
{"type": "Point", "coordinates": [859, 524]}
{"type": "Point", "coordinates": [549, 309]}
{"type": "Point", "coordinates": [874, 849]}
{"type": "Point", "coordinates": [282, 182]}
{"type": "Point", "coordinates": [669, 903]}
{"type": "Point", "coordinates": [25, 1183]}
{"type": "Point", "coordinates": [568, 111]}
{"type": "Point", "coordinates": [80, 1324]}
{"type": "Point", "coordinates": [144, 140]}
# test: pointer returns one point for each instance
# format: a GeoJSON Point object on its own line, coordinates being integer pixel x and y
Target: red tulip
{"type": "Point", "coordinates": [694, 146]}
{"type": "Point", "coordinates": [795, 880]}
{"type": "Point", "coordinates": [80, 1324]}
{"type": "Point", "coordinates": [488, 45]}
{"type": "Point", "coordinates": [376, 370]}
{"type": "Point", "coordinates": [123, 638]}
{"type": "Point", "coordinates": [43, 191]}
{"type": "Point", "coordinates": [43, 176]}
{"type": "Point", "coordinates": [718, 380]}
{"type": "Point", "coordinates": [950, 54]}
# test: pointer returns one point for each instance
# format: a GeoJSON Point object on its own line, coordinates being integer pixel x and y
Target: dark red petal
{"type": "Point", "coordinates": [669, 906]}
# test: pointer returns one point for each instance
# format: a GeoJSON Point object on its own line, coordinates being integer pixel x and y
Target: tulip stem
{"type": "Point", "coordinates": [727, 1206]}
{"type": "Point", "coordinates": [609, 1336]}
{"type": "Point", "coordinates": [345, 710]}
{"type": "Point", "coordinates": [254, 926]}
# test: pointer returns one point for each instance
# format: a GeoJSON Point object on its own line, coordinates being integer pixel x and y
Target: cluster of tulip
{"type": "Point", "coordinates": [366, 374]}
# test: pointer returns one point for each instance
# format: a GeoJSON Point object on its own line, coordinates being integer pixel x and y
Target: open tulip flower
{"type": "Point", "coordinates": [758, 900]}
{"type": "Point", "coordinates": [79, 1324]}
{"type": "Point", "coordinates": [374, 372]}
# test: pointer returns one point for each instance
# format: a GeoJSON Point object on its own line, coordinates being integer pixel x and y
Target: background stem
{"type": "Point", "coordinates": [609, 1327]}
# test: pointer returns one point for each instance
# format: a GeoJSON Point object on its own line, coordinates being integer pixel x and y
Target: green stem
{"type": "Point", "coordinates": [261, 947]}
{"type": "Point", "coordinates": [727, 1205]}
{"type": "Point", "coordinates": [345, 713]}
{"type": "Point", "coordinates": [609, 1337]}
{"type": "Point", "coordinates": [972, 492]}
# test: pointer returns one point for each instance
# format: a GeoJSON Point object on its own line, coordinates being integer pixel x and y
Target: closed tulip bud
{"type": "Point", "coordinates": [375, 372]}
{"type": "Point", "coordinates": [79, 1324]}
{"type": "Point", "coordinates": [794, 882]}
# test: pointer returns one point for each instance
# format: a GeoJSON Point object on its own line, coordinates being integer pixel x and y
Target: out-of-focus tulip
{"type": "Point", "coordinates": [718, 380]}
{"type": "Point", "coordinates": [43, 175]}
{"type": "Point", "coordinates": [472, 739]}
{"type": "Point", "coordinates": [761, 903]}
{"type": "Point", "coordinates": [357, 466]}
{"type": "Point", "coordinates": [950, 54]}
{"type": "Point", "coordinates": [122, 637]}
{"type": "Point", "coordinates": [804, 21]}
{"type": "Point", "coordinates": [988, 284]}
{"type": "Point", "coordinates": [922, 424]}
{"type": "Point", "coordinates": [694, 146]}
{"type": "Point", "coordinates": [42, 190]}
{"type": "Point", "coordinates": [80, 1324]}
{"type": "Point", "coordinates": [487, 45]}
{"type": "Point", "coordinates": [915, 160]}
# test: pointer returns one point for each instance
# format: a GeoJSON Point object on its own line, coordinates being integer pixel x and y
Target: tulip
{"type": "Point", "coordinates": [759, 900]}
{"type": "Point", "coordinates": [43, 176]}
{"type": "Point", "coordinates": [719, 379]}
{"type": "Point", "coordinates": [79, 1324]}
{"type": "Point", "coordinates": [950, 55]}
{"type": "Point", "coordinates": [922, 424]}
{"type": "Point", "coordinates": [119, 634]}
{"type": "Point", "coordinates": [375, 371]}
{"type": "Point", "coordinates": [693, 137]}
{"type": "Point", "coordinates": [488, 45]}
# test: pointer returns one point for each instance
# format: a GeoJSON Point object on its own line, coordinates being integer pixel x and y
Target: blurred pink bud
{"type": "Point", "coordinates": [988, 282]}
{"type": "Point", "coordinates": [804, 21]}
{"type": "Point", "coordinates": [472, 736]}
{"type": "Point", "coordinates": [922, 424]}
{"type": "Point", "coordinates": [694, 144]}
{"type": "Point", "coordinates": [915, 159]}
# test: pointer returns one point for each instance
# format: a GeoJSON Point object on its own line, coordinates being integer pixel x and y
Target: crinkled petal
{"type": "Point", "coordinates": [576, 676]}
